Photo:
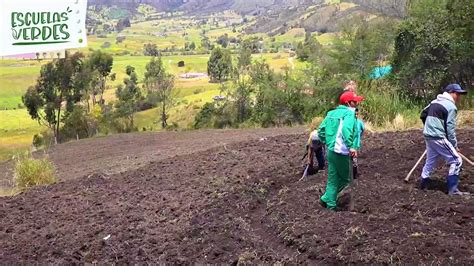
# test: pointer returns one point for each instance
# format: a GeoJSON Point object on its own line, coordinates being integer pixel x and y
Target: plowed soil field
{"type": "Point", "coordinates": [237, 201]}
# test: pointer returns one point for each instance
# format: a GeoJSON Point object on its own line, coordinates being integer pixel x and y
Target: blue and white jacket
{"type": "Point", "coordinates": [441, 120]}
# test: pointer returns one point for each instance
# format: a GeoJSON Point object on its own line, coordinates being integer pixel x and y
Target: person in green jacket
{"type": "Point", "coordinates": [338, 131]}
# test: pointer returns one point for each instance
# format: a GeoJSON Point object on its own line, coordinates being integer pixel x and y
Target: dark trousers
{"type": "Point", "coordinates": [319, 154]}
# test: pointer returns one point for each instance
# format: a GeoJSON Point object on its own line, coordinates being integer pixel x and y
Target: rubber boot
{"type": "Point", "coordinates": [452, 182]}
{"type": "Point", "coordinates": [425, 183]}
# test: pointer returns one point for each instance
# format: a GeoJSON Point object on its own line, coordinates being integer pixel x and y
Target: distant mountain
{"type": "Point", "coordinates": [387, 7]}
{"type": "Point", "coordinates": [276, 16]}
{"type": "Point", "coordinates": [203, 6]}
{"type": "Point", "coordinates": [162, 5]}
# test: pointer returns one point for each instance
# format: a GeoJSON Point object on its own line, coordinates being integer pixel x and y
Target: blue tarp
{"type": "Point", "coordinates": [380, 72]}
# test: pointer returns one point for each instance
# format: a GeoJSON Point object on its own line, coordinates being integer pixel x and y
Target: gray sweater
{"type": "Point", "coordinates": [441, 120]}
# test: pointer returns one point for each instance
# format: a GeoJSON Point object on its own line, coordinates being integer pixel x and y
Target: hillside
{"type": "Point", "coordinates": [274, 16]}
{"type": "Point", "coordinates": [205, 6]}
{"type": "Point", "coordinates": [391, 7]}
{"type": "Point", "coordinates": [239, 203]}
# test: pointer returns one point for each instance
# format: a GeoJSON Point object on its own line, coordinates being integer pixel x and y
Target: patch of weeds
{"type": "Point", "coordinates": [282, 192]}
{"type": "Point", "coordinates": [30, 172]}
{"type": "Point", "coordinates": [356, 232]}
{"type": "Point", "coordinates": [261, 192]}
{"type": "Point", "coordinates": [247, 257]}
{"type": "Point", "coordinates": [259, 189]}
{"type": "Point", "coordinates": [218, 181]}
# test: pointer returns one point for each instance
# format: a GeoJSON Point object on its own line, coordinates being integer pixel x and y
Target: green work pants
{"type": "Point", "coordinates": [339, 177]}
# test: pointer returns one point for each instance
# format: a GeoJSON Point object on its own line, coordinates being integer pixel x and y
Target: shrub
{"type": "Point", "coordinates": [30, 172]}
{"type": "Point", "coordinates": [145, 105]}
{"type": "Point", "coordinates": [197, 91]}
{"type": "Point", "coordinates": [38, 140]}
{"type": "Point", "coordinates": [105, 45]}
{"type": "Point", "coordinates": [382, 105]}
{"type": "Point", "coordinates": [204, 117]}
{"type": "Point", "coordinates": [77, 125]}
{"type": "Point", "coordinates": [172, 127]}
{"type": "Point", "coordinates": [120, 39]}
{"type": "Point", "coordinates": [43, 139]}
{"type": "Point", "coordinates": [466, 118]}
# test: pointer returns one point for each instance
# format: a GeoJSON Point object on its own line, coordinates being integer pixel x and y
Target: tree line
{"type": "Point", "coordinates": [431, 48]}
{"type": "Point", "coordinates": [68, 96]}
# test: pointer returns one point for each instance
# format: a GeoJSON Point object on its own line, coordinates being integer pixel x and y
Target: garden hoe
{"type": "Point", "coordinates": [467, 160]}
{"type": "Point", "coordinates": [305, 174]}
{"type": "Point", "coordinates": [421, 158]}
{"type": "Point", "coordinates": [414, 167]}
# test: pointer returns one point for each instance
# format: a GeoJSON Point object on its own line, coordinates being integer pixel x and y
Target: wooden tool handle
{"type": "Point", "coordinates": [414, 167]}
{"type": "Point", "coordinates": [467, 160]}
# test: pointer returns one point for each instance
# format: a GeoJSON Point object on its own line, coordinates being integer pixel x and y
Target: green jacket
{"type": "Point", "coordinates": [338, 130]}
{"type": "Point", "coordinates": [360, 131]}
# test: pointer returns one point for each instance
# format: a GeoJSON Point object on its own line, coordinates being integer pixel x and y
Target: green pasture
{"type": "Point", "coordinates": [16, 132]}
{"type": "Point", "coordinates": [17, 129]}
{"type": "Point", "coordinates": [294, 36]}
{"type": "Point", "coordinates": [15, 78]}
{"type": "Point", "coordinates": [182, 113]}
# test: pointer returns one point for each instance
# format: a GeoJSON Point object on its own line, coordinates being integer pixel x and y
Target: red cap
{"type": "Point", "coordinates": [350, 96]}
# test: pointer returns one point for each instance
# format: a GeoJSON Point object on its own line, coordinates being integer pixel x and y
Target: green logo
{"type": "Point", "coordinates": [37, 28]}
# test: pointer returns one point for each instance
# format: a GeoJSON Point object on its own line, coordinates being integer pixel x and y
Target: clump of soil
{"type": "Point", "coordinates": [242, 203]}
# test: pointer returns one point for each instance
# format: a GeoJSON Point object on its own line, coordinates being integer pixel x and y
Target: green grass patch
{"type": "Point", "coordinates": [294, 36]}
{"type": "Point", "coordinates": [182, 114]}
{"type": "Point", "coordinates": [31, 172]}
{"type": "Point", "coordinates": [326, 38]}
{"type": "Point", "coordinates": [15, 78]}
{"type": "Point", "coordinates": [16, 132]}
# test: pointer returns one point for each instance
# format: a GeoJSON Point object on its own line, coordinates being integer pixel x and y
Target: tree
{"type": "Point", "coordinates": [279, 98]}
{"type": "Point", "coordinates": [241, 97]}
{"type": "Point", "coordinates": [150, 49]}
{"type": "Point", "coordinates": [122, 24]}
{"type": "Point", "coordinates": [223, 40]}
{"type": "Point", "coordinates": [362, 45]}
{"type": "Point", "coordinates": [461, 23]}
{"type": "Point", "coordinates": [253, 43]}
{"type": "Point", "coordinates": [128, 97]}
{"type": "Point", "coordinates": [244, 59]}
{"type": "Point", "coordinates": [206, 44]}
{"type": "Point", "coordinates": [101, 64]}
{"type": "Point", "coordinates": [353, 51]}
{"type": "Point", "coordinates": [160, 85]}
{"type": "Point", "coordinates": [434, 47]}
{"type": "Point", "coordinates": [189, 46]}
{"type": "Point", "coordinates": [54, 89]}
{"type": "Point", "coordinates": [219, 66]}
{"type": "Point", "coordinates": [77, 124]}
